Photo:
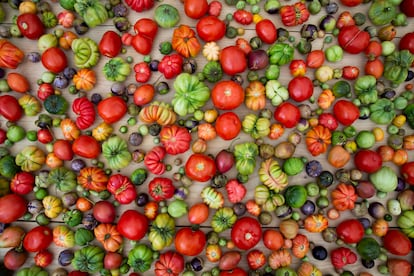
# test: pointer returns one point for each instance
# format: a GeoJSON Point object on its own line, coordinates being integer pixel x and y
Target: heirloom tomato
{"type": "Point", "coordinates": [189, 242]}
{"type": "Point", "coordinates": [142, 44]}
{"type": "Point", "coordinates": [112, 109]}
{"type": "Point", "coordinates": [198, 213]}
{"type": "Point", "coordinates": [140, 5]}
{"type": "Point", "coordinates": [407, 172]}
{"type": "Point", "coordinates": [132, 225]}
{"type": "Point", "coordinates": [122, 188]}
{"type": "Point", "coordinates": [54, 60]}
{"type": "Point", "coordinates": [200, 167]}
{"type": "Point", "coordinates": [44, 136]}
{"type": "Point", "coordinates": [112, 260]}
{"type": "Point", "coordinates": [45, 90]}
{"type": "Point", "coordinates": [228, 125]}
{"type": "Point", "coordinates": [43, 258]}
{"type": "Point", "coordinates": [345, 112]}
{"type": "Point", "coordinates": [110, 44]}
{"type": "Point", "coordinates": [407, 41]}
{"type": "Point", "coordinates": [266, 31]}
{"type": "Point", "coordinates": [211, 28]}
{"type": "Point", "coordinates": [246, 233]}
{"type": "Point", "coordinates": [86, 146]}
{"type": "Point", "coordinates": [104, 211]}
{"type": "Point", "coordinates": [10, 108]}
{"type": "Point", "coordinates": [14, 259]}
{"type": "Point", "coordinates": [396, 242]}
{"type": "Point", "coordinates": [351, 3]}
{"type": "Point", "coordinates": [407, 7]}
{"type": "Point", "coordinates": [287, 114]}
{"type": "Point", "coordinates": [170, 263]}
{"type": "Point", "coordinates": [237, 271]}
{"type": "Point", "coordinates": [227, 95]}
{"type": "Point", "coordinates": [63, 149]}
{"type": "Point", "coordinates": [300, 88]}
{"type": "Point", "coordinates": [353, 40]}
{"type": "Point", "coordinates": [30, 26]}
{"type": "Point", "coordinates": [22, 183]}
{"type": "Point", "coordinates": [350, 231]}
{"type": "Point", "coordinates": [315, 59]}
{"type": "Point", "coordinates": [146, 27]}
{"type": "Point", "coordinates": [368, 161]}
{"type": "Point", "coordinates": [12, 207]}
{"type": "Point", "coordinates": [38, 238]}
{"type": "Point", "coordinates": [233, 60]}
{"type": "Point", "coordinates": [195, 9]}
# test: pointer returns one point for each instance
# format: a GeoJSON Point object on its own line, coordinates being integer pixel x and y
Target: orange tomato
{"type": "Point", "coordinates": [198, 213]}
{"type": "Point", "coordinates": [17, 82]}
{"type": "Point", "coordinates": [83, 204]}
{"type": "Point", "coordinates": [144, 94]}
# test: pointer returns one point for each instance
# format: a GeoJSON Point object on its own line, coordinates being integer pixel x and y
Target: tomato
{"type": "Point", "coordinates": [407, 42]}
{"type": "Point", "coordinates": [112, 109]}
{"type": "Point", "coordinates": [22, 183]}
{"type": "Point", "coordinates": [287, 114]}
{"type": "Point", "coordinates": [86, 146]}
{"type": "Point", "coordinates": [407, 7]}
{"type": "Point", "coordinates": [353, 40]}
{"type": "Point", "coordinates": [10, 108]}
{"type": "Point", "coordinates": [345, 112]}
{"type": "Point", "coordinates": [3, 136]}
{"type": "Point", "coordinates": [14, 259]}
{"type": "Point", "coordinates": [54, 60]}
{"type": "Point", "coordinates": [237, 271]}
{"type": "Point", "coordinates": [195, 9]}
{"type": "Point", "coordinates": [300, 88]}
{"type": "Point", "coordinates": [374, 67]}
{"type": "Point", "coordinates": [63, 149]}
{"type": "Point", "coordinates": [211, 28]}
{"type": "Point", "coordinates": [351, 3]}
{"type": "Point", "coordinates": [132, 225]}
{"type": "Point", "coordinates": [112, 260]}
{"type": "Point", "coordinates": [142, 44]}
{"type": "Point", "coordinates": [368, 161]}
{"type": "Point", "coordinates": [189, 242]}
{"type": "Point", "coordinates": [144, 94]}
{"type": "Point", "coordinates": [200, 167]}
{"type": "Point", "coordinates": [407, 172]}
{"type": "Point", "coordinates": [396, 242]}
{"type": "Point", "coordinates": [12, 207]}
{"type": "Point", "coordinates": [110, 44]}
{"type": "Point", "coordinates": [45, 90]}
{"type": "Point", "coordinates": [350, 231]}
{"type": "Point", "coordinates": [227, 95]}
{"type": "Point", "coordinates": [30, 26]}
{"type": "Point", "coordinates": [43, 258]}
{"type": "Point", "coordinates": [350, 72]}
{"type": "Point", "coordinates": [373, 50]}
{"type": "Point", "coordinates": [273, 239]}
{"type": "Point", "coordinates": [198, 213]}
{"type": "Point", "coordinates": [246, 233]}
{"type": "Point", "coordinates": [104, 211]}
{"type": "Point", "coordinates": [121, 187]}
{"type": "Point", "coordinates": [146, 27]}
{"type": "Point", "coordinates": [233, 60]}
{"type": "Point", "coordinates": [315, 59]}
{"type": "Point", "coordinates": [37, 239]}
{"type": "Point", "coordinates": [266, 31]}
{"type": "Point", "coordinates": [44, 136]}
{"type": "Point", "coordinates": [228, 125]}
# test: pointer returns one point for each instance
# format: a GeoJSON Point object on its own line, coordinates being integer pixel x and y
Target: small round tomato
{"type": "Point", "coordinates": [104, 211]}
{"type": "Point", "coordinates": [54, 60]}
{"type": "Point", "coordinates": [266, 31]}
{"type": "Point", "coordinates": [368, 161]}
{"type": "Point", "coordinates": [30, 25]}
{"type": "Point", "coordinates": [345, 112]}
{"type": "Point", "coordinates": [44, 136]}
{"type": "Point", "coordinates": [86, 146]}
{"type": "Point", "coordinates": [63, 149]}
{"type": "Point", "coordinates": [228, 125]}
{"type": "Point", "coordinates": [37, 239]}
{"type": "Point", "coordinates": [396, 242]}
{"type": "Point", "coordinates": [227, 95]}
{"type": "Point", "coordinates": [407, 172]}
{"type": "Point", "coordinates": [200, 167]}
{"type": "Point", "coordinates": [287, 114]}
{"type": "Point", "coordinates": [43, 258]}
{"type": "Point", "coordinates": [246, 233]}
{"type": "Point", "coordinates": [195, 9]}
{"type": "Point", "coordinates": [233, 60]}
{"type": "Point", "coordinates": [300, 88]}
{"type": "Point", "coordinates": [350, 231]}
{"type": "Point", "coordinates": [189, 242]}
{"type": "Point", "coordinates": [211, 28]}
{"type": "Point", "coordinates": [198, 213]}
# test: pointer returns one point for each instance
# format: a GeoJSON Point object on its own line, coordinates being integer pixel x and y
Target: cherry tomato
{"type": "Point", "coordinates": [30, 25]}
{"type": "Point", "coordinates": [189, 242]}
{"type": "Point", "coordinates": [227, 95]}
{"type": "Point", "coordinates": [54, 60]}
{"type": "Point", "coordinates": [228, 125]}
{"type": "Point", "coordinates": [345, 112]}
{"type": "Point", "coordinates": [266, 31]}
{"type": "Point", "coordinates": [287, 114]}
{"type": "Point", "coordinates": [300, 88]}
{"type": "Point", "coordinates": [233, 60]}
{"type": "Point", "coordinates": [200, 167]}
{"type": "Point", "coordinates": [368, 161]}
{"type": "Point", "coordinates": [195, 9]}
{"type": "Point", "coordinates": [211, 28]}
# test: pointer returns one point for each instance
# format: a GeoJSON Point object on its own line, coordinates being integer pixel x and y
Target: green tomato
{"type": "Point", "coordinates": [400, 103]}
{"type": "Point", "coordinates": [388, 47]}
{"type": "Point", "coordinates": [177, 208]}
{"type": "Point", "coordinates": [272, 72]}
{"type": "Point", "coordinates": [31, 135]}
{"type": "Point", "coordinates": [334, 53]}
{"type": "Point", "coordinates": [365, 139]}
{"type": "Point", "coordinates": [47, 41]}
{"type": "Point", "coordinates": [15, 133]}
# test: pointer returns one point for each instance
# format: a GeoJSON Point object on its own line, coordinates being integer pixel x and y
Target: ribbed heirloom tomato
{"type": "Point", "coordinates": [227, 95]}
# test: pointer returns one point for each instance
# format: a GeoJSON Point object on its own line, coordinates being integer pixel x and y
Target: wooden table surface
{"type": "Point", "coordinates": [33, 72]}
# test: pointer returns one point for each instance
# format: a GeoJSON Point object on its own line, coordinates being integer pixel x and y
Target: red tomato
{"type": "Point", "coordinates": [350, 231]}
{"type": "Point", "coordinates": [407, 172]}
{"type": "Point", "coordinates": [132, 225]}
{"type": "Point", "coordinates": [43, 258]}
{"type": "Point", "coordinates": [104, 211]}
{"type": "Point", "coordinates": [273, 239]}
{"type": "Point", "coordinates": [228, 125]}
{"type": "Point", "coordinates": [144, 94]}
{"type": "Point", "coordinates": [3, 136]}
{"type": "Point", "coordinates": [37, 239]}
{"type": "Point", "coordinates": [407, 7]}
{"type": "Point", "coordinates": [86, 146]}
{"type": "Point", "coordinates": [146, 27]}
{"type": "Point", "coordinates": [373, 50]}
{"type": "Point", "coordinates": [54, 60]}
{"type": "Point", "coordinates": [266, 31]}
{"type": "Point", "coordinates": [63, 149]}
{"type": "Point", "coordinates": [396, 242]}
{"type": "Point", "coordinates": [214, 8]}
{"type": "Point", "coordinates": [112, 260]}
{"type": "Point", "coordinates": [407, 42]}
{"type": "Point", "coordinates": [353, 40]}
{"type": "Point", "coordinates": [22, 183]}
{"type": "Point", "coordinates": [315, 59]}
{"type": "Point", "coordinates": [227, 95]}
{"type": "Point", "coordinates": [374, 68]}
{"type": "Point", "coordinates": [200, 167]}
{"type": "Point", "coordinates": [189, 242]}
{"type": "Point", "coordinates": [198, 213]}
{"type": "Point", "coordinates": [110, 44]}
{"type": "Point", "coordinates": [351, 3]}
{"type": "Point", "coordinates": [368, 161]}
{"type": "Point", "coordinates": [233, 60]}
{"type": "Point", "coordinates": [44, 136]}
{"type": "Point", "coordinates": [30, 25]}
{"type": "Point", "coordinates": [195, 9]}
{"type": "Point", "coordinates": [121, 187]}
{"type": "Point", "coordinates": [287, 114]}
{"type": "Point", "coordinates": [211, 28]}
{"type": "Point", "coordinates": [345, 112]}
{"type": "Point", "coordinates": [237, 271]}
{"type": "Point", "coordinates": [10, 108]}
{"type": "Point", "coordinates": [112, 109]}
{"type": "Point", "coordinates": [14, 259]}
{"type": "Point", "coordinates": [142, 44]}
{"type": "Point", "coordinates": [300, 88]}
{"type": "Point", "coordinates": [246, 233]}
{"type": "Point", "coordinates": [45, 90]}
{"type": "Point", "coordinates": [12, 207]}
{"type": "Point", "coordinates": [350, 72]}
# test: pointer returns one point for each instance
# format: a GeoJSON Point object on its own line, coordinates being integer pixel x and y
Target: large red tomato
{"type": "Point", "coordinates": [132, 225]}
{"type": "Point", "coordinates": [350, 231]}
{"type": "Point", "coordinates": [300, 88]}
{"type": "Point", "coordinates": [37, 239]}
{"type": "Point", "coordinates": [345, 112]}
{"type": "Point", "coordinates": [200, 167]}
{"type": "Point", "coordinates": [233, 60]}
{"type": "Point", "coordinates": [407, 42]}
{"type": "Point", "coordinates": [189, 242]}
{"type": "Point", "coordinates": [112, 109]}
{"type": "Point", "coordinates": [266, 31]}
{"type": "Point", "coordinates": [246, 233]}
{"type": "Point", "coordinates": [54, 60]}
{"type": "Point", "coordinates": [396, 242]}
{"type": "Point", "coordinates": [352, 39]}
{"type": "Point", "coordinates": [407, 172]}
{"type": "Point", "coordinates": [86, 146]}
{"type": "Point", "coordinates": [407, 7]}
{"type": "Point", "coordinates": [287, 114]}
{"type": "Point", "coordinates": [30, 25]}
{"type": "Point", "coordinates": [10, 108]}
{"type": "Point", "coordinates": [228, 125]}
{"type": "Point", "coordinates": [368, 161]}
{"type": "Point", "coordinates": [63, 149]}
{"type": "Point", "coordinates": [227, 95]}
{"type": "Point", "coordinates": [195, 9]}
{"type": "Point", "coordinates": [12, 207]}
{"type": "Point", "coordinates": [211, 28]}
